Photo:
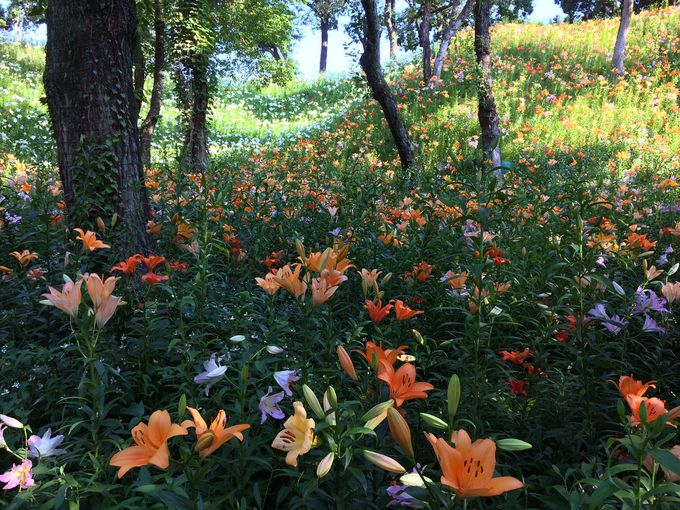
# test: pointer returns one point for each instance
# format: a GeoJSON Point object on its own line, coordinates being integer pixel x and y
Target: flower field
{"type": "Point", "coordinates": [314, 326]}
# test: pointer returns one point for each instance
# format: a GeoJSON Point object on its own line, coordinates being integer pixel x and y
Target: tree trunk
{"type": "Point", "coordinates": [370, 63]}
{"type": "Point", "coordinates": [139, 74]}
{"type": "Point", "coordinates": [488, 116]}
{"type": "Point", "coordinates": [325, 26]}
{"type": "Point", "coordinates": [92, 106]}
{"type": "Point", "coordinates": [391, 30]}
{"type": "Point", "coordinates": [455, 23]}
{"type": "Point", "coordinates": [195, 156]}
{"type": "Point", "coordinates": [622, 36]}
{"type": "Point", "coordinates": [424, 38]}
{"type": "Point", "coordinates": [149, 124]}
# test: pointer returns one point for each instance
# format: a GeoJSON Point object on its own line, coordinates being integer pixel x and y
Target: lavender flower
{"type": "Point", "coordinates": [615, 324]}
{"type": "Point", "coordinates": [650, 326]}
{"type": "Point", "coordinates": [269, 405]}
{"type": "Point", "coordinates": [213, 373]}
{"type": "Point", "coordinates": [399, 497]}
{"type": "Point", "coordinates": [45, 446]}
{"type": "Point", "coordinates": [285, 378]}
{"type": "Point", "coordinates": [601, 261]}
{"type": "Point", "coordinates": [648, 301]}
{"type": "Point", "coordinates": [663, 259]}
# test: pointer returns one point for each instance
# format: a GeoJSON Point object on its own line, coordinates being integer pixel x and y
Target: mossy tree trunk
{"type": "Point", "coordinates": [92, 105]}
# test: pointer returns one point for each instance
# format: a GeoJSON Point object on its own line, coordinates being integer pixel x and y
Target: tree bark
{"type": "Point", "coordinates": [488, 116]}
{"type": "Point", "coordinates": [424, 38]}
{"type": "Point", "coordinates": [154, 113]}
{"type": "Point", "coordinates": [390, 23]}
{"type": "Point", "coordinates": [455, 23]}
{"type": "Point", "coordinates": [92, 106]}
{"type": "Point", "coordinates": [195, 155]}
{"type": "Point", "coordinates": [325, 27]}
{"type": "Point", "coordinates": [370, 63]}
{"type": "Point", "coordinates": [622, 36]}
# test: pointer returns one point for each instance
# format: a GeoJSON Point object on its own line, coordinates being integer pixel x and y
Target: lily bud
{"type": "Point", "coordinates": [312, 401]}
{"type": "Point", "coordinates": [300, 249]}
{"type": "Point", "coordinates": [512, 445]}
{"type": "Point", "coordinates": [346, 363]}
{"type": "Point", "coordinates": [330, 417]}
{"type": "Point", "coordinates": [100, 224]}
{"type": "Point", "coordinates": [419, 338]}
{"type": "Point", "coordinates": [453, 395]}
{"type": "Point", "coordinates": [377, 410]}
{"type": "Point", "coordinates": [433, 421]}
{"type": "Point", "coordinates": [400, 431]}
{"type": "Point", "coordinates": [386, 278]}
{"type": "Point", "coordinates": [325, 465]}
{"type": "Point", "coordinates": [114, 220]}
{"type": "Point", "coordinates": [332, 397]}
{"type": "Point", "coordinates": [204, 441]}
{"type": "Point", "coordinates": [384, 462]}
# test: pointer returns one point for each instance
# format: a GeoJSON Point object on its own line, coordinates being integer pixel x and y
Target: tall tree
{"type": "Point", "coordinates": [488, 116]}
{"type": "Point", "coordinates": [326, 13]}
{"type": "Point", "coordinates": [93, 110]}
{"type": "Point", "coordinates": [390, 23]}
{"type": "Point", "coordinates": [153, 115]}
{"type": "Point", "coordinates": [370, 63]}
{"type": "Point", "coordinates": [424, 28]}
{"type": "Point", "coordinates": [622, 36]}
{"type": "Point", "coordinates": [457, 17]}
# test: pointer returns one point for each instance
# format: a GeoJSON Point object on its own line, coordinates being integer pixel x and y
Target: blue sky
{"type": "Point", "coordinates": [307, 49]}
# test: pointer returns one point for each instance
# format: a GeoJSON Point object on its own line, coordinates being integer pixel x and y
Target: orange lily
{"type": "Point", "coordinates": [655, 408]}
{"type": "Point", "coordinates": [290, 281]}
{"type": "Point", "coordinates": [152, 261]}
{"type": "Point", "coordinates": [403, 312]}
{"type": "Point", "coordinates": [628, 385]}
{"type": "Point", "coordinates": [89, 239]}
{"type": "Point", "coordinates": [369, 277]}
{"type": "Point", "coordinates": [321, 291]}
{"type": "Point", "coordinates": [100, 294]}
{"type": "Point", "coordinates": [209, 439]}
{"type": "Point", "coordinates": [377, 357]}
{"type": "Point", "coordinates": [25, 257]}
{"type": "Point", "coordinates": [68, 300]}
{"type": "Point", "coordinates": [268, 284]}
{"type": "Point", "coordinates": [297, 437]}
{"type": "Point", "coordinates": [377, 312]}
{"type": "Point", "coordinates": [468, 468]}
{"type": "Point", "coordinates": [128, 266]}
{"type": "Point", "coordinates": [402, 383]}
{"type": "Point", "coordinates": [151, 444]}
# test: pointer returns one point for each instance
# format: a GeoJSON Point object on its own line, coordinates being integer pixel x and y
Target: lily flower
{"type": "Point", "coordinates": [25, 257]}
{"type": "Point", "coordinates": [269, 405]}
{"type": "Point", "coordinates": [68, 300]}
{"type": "Point", "coordinates": [153, 279]}
{"type": "Point", "coordinates": [89, 239]}
{"type": "Point", "coordinates": [285, 378]}
{"type": "Point", "coordinates": [268, 284]}
{"type": "Point", "coordinates": [321, 291]}
{"type": "Point", "coordinates": [403, 312]}
{"type": "Point", "coordinates": [655, 408]}
{"type": "Point", "coordinates": [19, 476]}
{"type": "Point", "coordinates": [45, 446]}
{"type": "Point", "coordinates": [290, 281]}
{"type": "Point", "coordinates": [209, 439]}
{"type": "Point", "coordinates": [128, 266]}
{"type": "Point", "coordinates": [212, 374]}
{"type": "Point", "coordinates": [297, 437]}
{"type": "Point", "coordinates": [628, 385]}
{"type": "Point", "coordinates": [671, 291]}
{"type": "Point", "coordinates": [377, 312]}
{"type": "Point", "coordinates": [152, 261]}
{"type": "Point", "coordinates": [468, 468]}
{"type": "Point", "coordinates": [369, 277]}
{"type": "Point", "coordinates": [100, 290]}
{"type": "Point", "coordinates": [378, 358]}
{"type": "Point", "coordinates": [402, 383]}
{"type": "Point", "coordinates": [151, 444]}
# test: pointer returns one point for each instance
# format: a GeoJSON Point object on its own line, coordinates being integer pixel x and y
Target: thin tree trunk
{"type": "Point", "coordinates": [92, 106]}
{"type": "Point", "coordinates": [370, 63]}
{"type": "Point", "coordinates": [325, 26]}
{"type": "Point", "coordinates": [622, 36]}
{"type": "Point", "coordinates": [149, 124]}
{"type": "Point", "coordinates": [391, 30]}
{"type": "Point", "coordinates": [139, 74]}
{"type": "Point", "coordinates": [424, 37]}
{"type": "Point", "coordinates": [196, 132]}
{"type": "Point", "coordinates": [488, 116]}
{"type": "Point", "coordinates": [455, 23]}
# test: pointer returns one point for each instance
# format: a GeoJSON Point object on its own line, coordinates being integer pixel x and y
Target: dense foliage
{"type": "Point", "coordinates": [534, 293]}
